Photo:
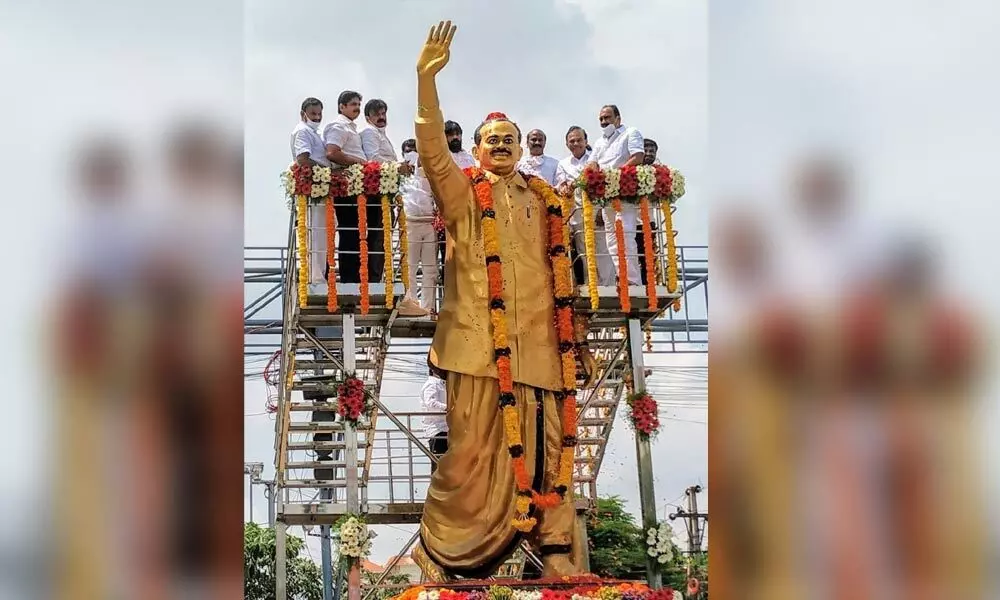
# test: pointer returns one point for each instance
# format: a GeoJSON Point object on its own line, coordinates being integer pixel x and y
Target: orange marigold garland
{"type": "Point", "coordinates": [387, 250]}
{"type": "Point", "coordinates": [331, 260]}
{"type": "Point", "coordinates": [363, 235]}
{"type": "Point", "coordinates": [302, 241]}
{"type": "Point", "coordinates": [647, 250]}
{"type": "Point", "coordinates": [623, 296]}
{"type": "Point", "coordinates": [562, 289]}
{"type": "Point", "coordinates": [668, 230]}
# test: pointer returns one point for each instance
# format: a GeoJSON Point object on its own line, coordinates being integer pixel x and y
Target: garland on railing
{"type": "Point", "coordinates": [637, 185]}
{"type": "Point", "coordinates": [356, 183]}
{"type": "Point", "coordinates": [331, 257]}
{"type": "Point", "coordinates": [302, 236]}
{"type": "Point", "coordinates": [387, 251]}
{"type": "Point", "coordinates": [404, 247]}
{"type": "Point", "coordinates": [643, 414]}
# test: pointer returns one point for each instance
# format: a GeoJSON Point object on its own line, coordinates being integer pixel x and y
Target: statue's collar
{"type": "Point", "coordinates": [516, 178]}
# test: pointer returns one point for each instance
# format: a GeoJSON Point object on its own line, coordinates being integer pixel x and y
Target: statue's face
{"type": "Point", "coordinates": [499, 149]}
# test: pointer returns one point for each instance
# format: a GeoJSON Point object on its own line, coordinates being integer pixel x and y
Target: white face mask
{"type": "Point", "coordinates": [314, 125]}
{"type": "Point", "coordinates": [609, 129]}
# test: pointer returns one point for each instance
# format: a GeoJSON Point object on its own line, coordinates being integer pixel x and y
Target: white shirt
{"type": "Point", "coordinates": [418, 201]}
{"type": "Point", "coordinates": [614, 151]}
{"type": "Point", "coordinates": [569, 168]}
{"type": "Point", "coordinates": [434, 398]}
{"type": "Point", "coordinates": [463, 159]}
{"type": "Point", "coordinates": [343, 132]}
{"type": "Point", "coordinates": [543, 166]}
{"type": "Point", "coordinates": [305, 139]}
{"type": "Point", "coordinates": [376, 145]}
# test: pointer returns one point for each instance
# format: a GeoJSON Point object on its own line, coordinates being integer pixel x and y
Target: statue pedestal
{"type": "Point", "coordinates": [562, 588]}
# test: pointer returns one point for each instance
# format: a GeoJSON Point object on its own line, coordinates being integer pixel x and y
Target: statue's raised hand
{"type": "Point", "coordinates": [437, 49]}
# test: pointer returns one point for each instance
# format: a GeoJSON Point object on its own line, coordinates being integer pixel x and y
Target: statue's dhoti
{"type": "Point", "coordinates": [466, 527]}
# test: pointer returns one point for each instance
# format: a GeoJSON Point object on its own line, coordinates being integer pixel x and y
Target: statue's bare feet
{"type": "Point", "coordinates": [432, 572]}
{"type": "Point", "coordinates": [558, 565]}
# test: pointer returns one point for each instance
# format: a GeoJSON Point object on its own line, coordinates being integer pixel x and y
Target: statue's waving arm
{"type": "Point", "coordinates": [450, 186]}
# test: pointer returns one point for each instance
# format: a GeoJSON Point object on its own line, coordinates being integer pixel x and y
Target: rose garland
{"type": "Point", "coordinates": [623, 295]}
{"type": "Point", "coordinates": [352, 400]}
{"type": "Point", "coordinates": [387, 250]}
{"type": "Point", "coordinates": [331, 257]}
{"type": "Point", "coordinates": [302, 239]}
{"type": "Point", "coordinates": [562, 289]}
{"type": "Point", "coordinates": [590, 248]}
{"type": "Point", "coordinates": [404, 247]}
{"type": "Point", "coordinates": [647, 251]}
{"type": "Point", "coordinates": [584, 588]}
{"type": "Point", "coordinates": [643, 414]}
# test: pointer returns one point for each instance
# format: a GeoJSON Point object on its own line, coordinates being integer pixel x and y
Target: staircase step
{"type": "Point", "coordinates": [323, 446]}
{"type": "Point", "coordinates": [322, 426]}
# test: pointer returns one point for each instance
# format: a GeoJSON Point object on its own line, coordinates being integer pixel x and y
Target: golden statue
{"type": "Point", "coordinates": [477, 509]}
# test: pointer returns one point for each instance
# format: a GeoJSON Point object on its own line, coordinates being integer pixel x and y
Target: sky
{"type": "Point", "coordinates": [548, 65]}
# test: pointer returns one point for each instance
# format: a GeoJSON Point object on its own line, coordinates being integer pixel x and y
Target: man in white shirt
{"type": "Point", "coordinates": [536, 162]}
{"type": "Point", "coordinates": [617, 147]}
{"type": "Point", "coordinates": [308, 149]}
{"type": "Point", "coordinates": [434, 399]}
{"type": "Point", "coordinates": [418, 202]}
{"type": "Point", "coordinates": [453, 133]}
{"type": "Point", "coordinates": [374, 142]}
{"type": "Point", "coordinates": [307, 145]}
{"type": "Point", "coordinates": [567, 172]}
{"type": "Point", "coordinates": [344, 148]}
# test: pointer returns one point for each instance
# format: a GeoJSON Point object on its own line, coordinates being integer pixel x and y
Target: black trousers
{"type": "Point", "coordinates": [438, 445]}
{"type": "Point", "coordinates": [349, 246]}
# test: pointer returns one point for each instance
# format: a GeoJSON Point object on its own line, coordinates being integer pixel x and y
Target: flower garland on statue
{"type": "Point", "coordinates": [638, 185]}
{"type": "Point", "coordinates": [659, 543]}
{"type": "Point", "coordinates": [643, 414]}
{"type": "Point", "coordinates": [563, 292]}
{"type": "Point", "coordinates": [352, 400]}
{"type": "Point", "coordinates": [354, 539]}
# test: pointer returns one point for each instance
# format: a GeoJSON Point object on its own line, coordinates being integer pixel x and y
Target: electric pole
{"type": "Point", "coordinates": [693, 520]}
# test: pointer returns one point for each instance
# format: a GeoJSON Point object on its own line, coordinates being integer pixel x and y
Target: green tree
{"type": "Point", "coordinates": [618, 546]}
{"type": "Point", "coordinates": [304, 581]}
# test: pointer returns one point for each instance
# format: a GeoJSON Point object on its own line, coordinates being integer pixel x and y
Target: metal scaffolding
{"type": "Point", "coordinates": [325, 469]}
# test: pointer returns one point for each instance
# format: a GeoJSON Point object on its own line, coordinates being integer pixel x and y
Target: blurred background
{"type": "Point", "coordinates": [122, 367]}
{"type": "Point", "coordinates": [853, 387]}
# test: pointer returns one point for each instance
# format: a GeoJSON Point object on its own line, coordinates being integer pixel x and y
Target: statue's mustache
{"type": "Point", "coordinates": [500, 151]}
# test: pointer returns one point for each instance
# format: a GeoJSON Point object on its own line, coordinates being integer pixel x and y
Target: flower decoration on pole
{"type": "Point", "coordinates": [354, 539]}
{"type": "Point", "coordinates": [659, 543]}
{"type": "Point", "coordinates": [352, 399]}
{"type": "Point", "coordinates": [645, 186]}
{"type": "Point", "coordinates": [643, 414]}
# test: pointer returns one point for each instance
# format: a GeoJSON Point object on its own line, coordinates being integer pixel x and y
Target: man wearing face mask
{"type": "Point", "coordinates": [307, 145]}
{"type": "Point", "coordinates": [567, 172]}
{"type": "Point", "coordinates": [617, 147]}
{"type": "Point", "coordinates": [537, 163]}
{"type": "Point", "coordinates": [307, 150]}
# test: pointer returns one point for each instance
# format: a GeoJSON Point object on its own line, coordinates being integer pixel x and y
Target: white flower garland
{"type": "Point", "coordinates": [646, 175]}
{"type": "Point", "coordinates": [676, 183]}
{"type": "Point", "coordinates": [354, 540]}
{"type": "Point", "coordinates": [659, 542]}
